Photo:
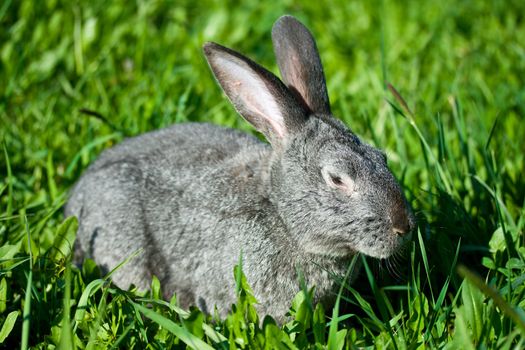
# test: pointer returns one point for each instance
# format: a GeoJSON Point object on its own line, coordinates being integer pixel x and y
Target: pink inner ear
{"type": "Point", "coordinates": [296, 79]}
{"type": "Point", "coordinates": [250, 96]}
{"type": "Point", "coordinates": [276, 123]}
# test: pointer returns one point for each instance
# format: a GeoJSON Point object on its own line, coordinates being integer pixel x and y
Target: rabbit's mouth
{"type": "Point", "coordinates": [333, 249]}
{"type": "Point", "coordinates": [382, 246]}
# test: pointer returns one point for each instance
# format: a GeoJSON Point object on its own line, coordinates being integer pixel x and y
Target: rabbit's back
{"type": "Point", "coordinates": [169, 157]}
{"type": "Point", "coordinates": [191, 144]}
{"type": "Point", "coordinates": [158, 193]}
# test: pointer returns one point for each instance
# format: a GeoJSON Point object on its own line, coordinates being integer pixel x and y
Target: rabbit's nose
{"type": "Point", "coordinates": [401, 231]}
{"type": "Point", "coordinates": [402, 221]}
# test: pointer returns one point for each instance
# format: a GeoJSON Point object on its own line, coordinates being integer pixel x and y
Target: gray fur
{"type": "Point", "coordinates": [194, 196]}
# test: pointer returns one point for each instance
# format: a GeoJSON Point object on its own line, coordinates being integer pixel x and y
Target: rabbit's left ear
{"type": "Point", "coordinates": [300, 64]}
{"type": "Point", "coordinates": [258, 95]}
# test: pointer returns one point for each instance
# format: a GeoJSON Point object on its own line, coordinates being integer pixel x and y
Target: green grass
{"type": "Point", "coordinates": [451, 123]}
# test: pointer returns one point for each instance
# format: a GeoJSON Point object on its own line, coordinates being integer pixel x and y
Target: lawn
{"type": "Point", "coordinates": [440, 86]}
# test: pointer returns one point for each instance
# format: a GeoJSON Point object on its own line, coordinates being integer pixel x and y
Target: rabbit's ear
{"type": "Point", "coordinates": [300, 64]}
{"type": "Point", "coordinates": [257, 94]}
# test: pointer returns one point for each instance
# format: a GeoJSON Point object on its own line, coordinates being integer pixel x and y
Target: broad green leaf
{"type": "Point", "coordinates": [497, 242]}
{"type": "Point", "coordinates": [3, 295]}
{"type": "Point", "coordinates": [64, 239]}
{"type": "Point", "coordinates": [420, 309]}
{"type": "Point", "coordinates": [194, 321]}
{"type": "Point", "coordinates": [302, 307]}
{"type": "Point", "coordinates": [213, 334]}
{"type": "Point", "coordinates": [90, 270]}
{"type": "Point", "coordinates": [276, 338]}
{"type": "Point", "coordinates": [341, 336]}
{"type": "Point", "coordinates": [319, 324]}
{"type": "Point", "coordinates": [8, 325]}
{"type": "Point", "coordinates": [462, 338]}
{"type": "Point", "coordinates": [8, 251]}
{"type": "Point", "coordinates": [155, 288]}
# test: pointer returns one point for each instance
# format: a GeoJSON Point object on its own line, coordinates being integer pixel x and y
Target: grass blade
{"type": "Point", "coordinates": [181, 333]}
{"type": "Point", "coordinates": [441, 297]}
{"type": "Point", "coordinates": [27, 300]}
{"type": "Point", "coordinates": [425, 263]}
{"type": "Point", "coordinates": [442, 175]}
{"type": "Point", "coordinates": [88, 147]}
{"type": "Point", "coordinates": [333, 338]}
{"type": "Point", "coordinates": [89, 290]}
{"type": "Point", "coordinates": [66, 336]}
{"type": "Point", "coordinates": [10, 180]}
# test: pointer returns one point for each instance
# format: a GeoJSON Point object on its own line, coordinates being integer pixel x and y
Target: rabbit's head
{"type": "Point", "coordinates": [335, 193]}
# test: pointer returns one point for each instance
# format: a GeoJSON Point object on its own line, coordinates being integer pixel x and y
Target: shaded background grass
{"type": "Point", "coordinates": [458, 152]}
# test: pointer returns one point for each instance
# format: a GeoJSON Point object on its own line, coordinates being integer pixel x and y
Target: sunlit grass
{"type": "Point", "coordinates": [438, 85]}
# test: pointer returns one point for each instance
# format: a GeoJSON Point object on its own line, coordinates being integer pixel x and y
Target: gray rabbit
{"type": "Point", "coordinates": [193, 196]}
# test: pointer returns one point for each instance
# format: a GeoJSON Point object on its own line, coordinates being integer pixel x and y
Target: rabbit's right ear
{"type": "Point", "coordinates": [257, 94]}
{"type": "Point", "coordinates": [299, 62]}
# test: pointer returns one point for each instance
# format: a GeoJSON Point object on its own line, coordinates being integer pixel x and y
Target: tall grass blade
{"type": "Point", "coordinates": [411, 119]}
{"type": "Point", "coordinates": [89, 146]}
{"type": "Point", "coordinates": [27, 300]}
{"type": "Point", "coordinates": [333, 339]}
{"type": "Point", "coordinates": [89, 290]}
{"type": "Point", "coordinates": [66, 335]}
{"type": "Point", "coordinates": [94, 328]}
{"type": "Point", "coordinates": [441, 297]}
{"type": "Point", "coordinates": [425, 263]}
{"type": "Point", "coordinates": [181, 333]}
{"type": "Point", "coordinates": [381, 301]}
{"type": "Point", "coordinates": [10, 180]}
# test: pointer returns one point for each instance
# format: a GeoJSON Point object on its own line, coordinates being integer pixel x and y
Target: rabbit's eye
{"type": "Point", "coordinates": [336, 180]}
{"type": "Point", "coordinates": [340, 182]}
